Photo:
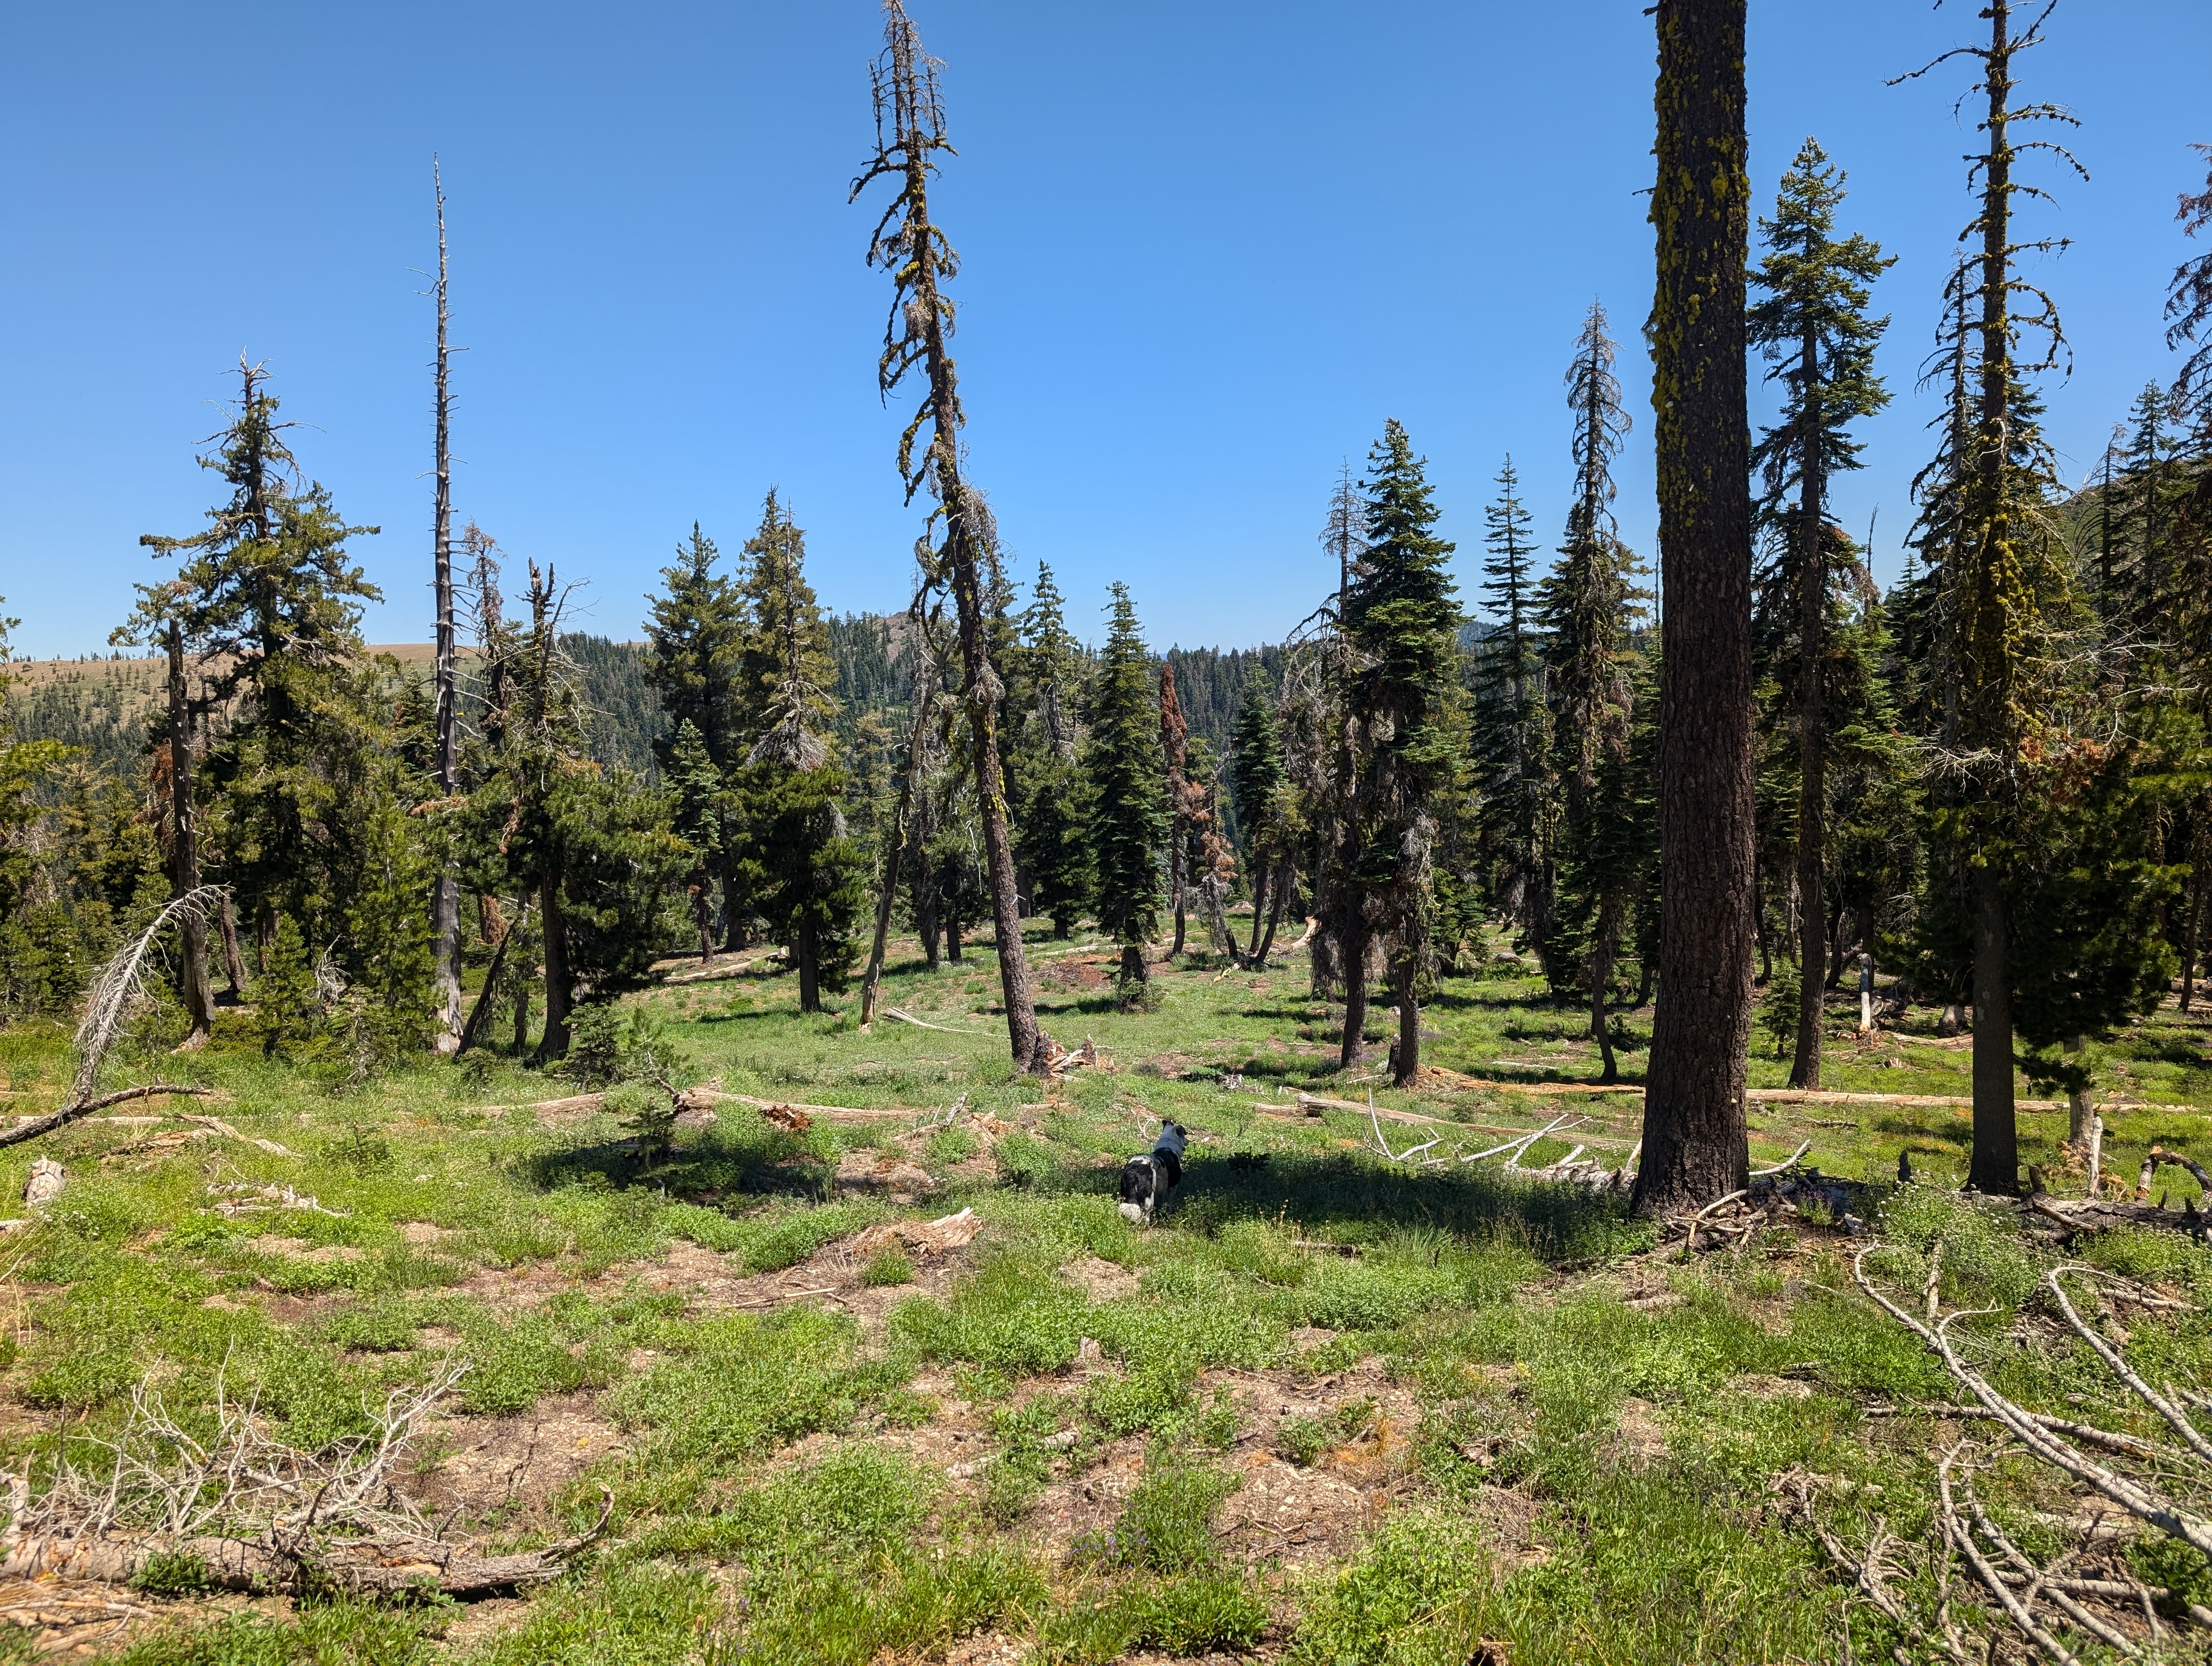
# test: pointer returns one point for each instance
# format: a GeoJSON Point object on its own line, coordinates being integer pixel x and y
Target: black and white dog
{"type": "Point", "coordinates": [1147, 1180]}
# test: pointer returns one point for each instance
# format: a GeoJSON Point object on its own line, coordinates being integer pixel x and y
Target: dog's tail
{"type": "Point", "coordinates": [1133, 1214]}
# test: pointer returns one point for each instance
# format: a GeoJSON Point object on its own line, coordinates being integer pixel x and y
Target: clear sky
{"type": "Point", "coordinates": [1208, 248]}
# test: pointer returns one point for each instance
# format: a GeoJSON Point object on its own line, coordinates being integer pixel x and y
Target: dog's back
{"type": "Point", "coordinates": [1147, 1180]}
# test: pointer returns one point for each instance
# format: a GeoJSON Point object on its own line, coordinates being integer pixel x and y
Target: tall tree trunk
{"type": "Point", "coordinates": [809, 969]}
{"type": "Point", "coordinates": [926, 918]}
{"type": "Point", "coordinates": [560, 984]}
{"type": "Point", "coordinates": [1695, 1144]}
{"type": "Point", "coordinates": [1259, 874]}
{"type": "Point", "coordinates": [1354, 948]}
{"type": "Point", "coordinates": [472, 1032]}
{"type": "Point", "coordinates": [1320, 951]}
{"type": "Point", "coordinates": [184, 851]}
{"type": "Point", "coordinates": [446, 895]}
{"type": "Point", "coordinates": [2193, 936]}
{"type": "Point", "coordinates": [1812, 736]}
{"type": "Point", "coordinates": [952, 937]}
{"type": "Point", "coordinates": [703, 920]}
{"type": "Point", "coordinates": [1603, 949]}
{"type": "Point", "coordinates": [1839, 946]}
{"type": "Point", "coordinates": [1274, 916]}
{"type": "Point", "coordinates": [1134, 973]}
{"type": "Point", "coordinates": [233, 964]}
{"type": "Point", "coordinates": [1994, 1165]}
{"type": "Point", "coordinates": [1407, 1054]}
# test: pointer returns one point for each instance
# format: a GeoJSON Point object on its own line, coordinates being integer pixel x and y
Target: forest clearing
{"type": "Point", "coordinates": [1569, 1108]}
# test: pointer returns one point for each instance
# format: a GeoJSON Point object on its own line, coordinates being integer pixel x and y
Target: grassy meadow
{"type": "Point", "coordinates": [1331, 1409]}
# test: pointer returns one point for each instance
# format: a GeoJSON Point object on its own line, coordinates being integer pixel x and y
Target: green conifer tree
{"type": "Point", "coordinates": [268, 605]}
{"type": "Point", "coordinates": [695, 632]}
{"type": "Point", "coordinates": [697, 784]}
{"type": "Point", "coordinates": [809, 875]}
{"type": "Point", "coordinates": [1126, 770]}
{"type": "Point", "coordinates": [1511, 738]}
{"type": "Point", "coordinates": [1258, 785]}
{"type": "Point", "coordinates": [1402, 621]}
{"type": "Point", "coordinates": [1812, 325]}
{"type": "Point", "coordinates": [1588, 610]}
{"type": "Point", "coordinates": [1052, 820]}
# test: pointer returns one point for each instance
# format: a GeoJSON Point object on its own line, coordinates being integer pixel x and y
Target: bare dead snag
{"type": "Point", "coordinates": [909, 133]}
{"type": "Point", "coordinates": [445, 897]}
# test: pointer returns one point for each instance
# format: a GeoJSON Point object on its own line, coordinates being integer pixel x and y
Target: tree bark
{"type": "Point", "coordinates": [1259, 907]}
{"type": "Point", "coordinates": [1321, 952]}
{"type": "Point", "coordinates": [472, 1032]}
{"type": "Point", "coordinates": [184, 851]}
{"type": "Point", "coordinates": [1812, 749]}
{"type": "Point", "coordinates": [1603, 950]}
{"type": "Point", "coordinates": [1134, 973]}
{"type": "Point", "coordinates": [233, 964]}
{"type": "Point", "coordinates": [1355, 1001]}
{"type": "Point", "coordinates": [1695, 1145]}
{"type": "Point", "coordinates": [560, 987]}
{"type": "Point", "coordinates": [1994, 1165]}
{"type": "Point", "coordinates": [446, 895]}
{"type": "Point", "coordinates": [809, 969]}
{"type": "Point", "coordinates": [1409, 1052]}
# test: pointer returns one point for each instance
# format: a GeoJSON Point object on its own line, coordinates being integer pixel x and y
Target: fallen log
{"type": "Point", "coordinates": [48, 1123]}
{"type": "Point", "coordinates": [363, 1568]}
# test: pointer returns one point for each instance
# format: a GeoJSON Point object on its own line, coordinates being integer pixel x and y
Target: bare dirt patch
{"type": "Point", "coordinates": [501, 1470]}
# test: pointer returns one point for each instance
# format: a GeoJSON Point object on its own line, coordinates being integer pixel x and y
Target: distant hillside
{"type": "Point", "coordinates": [101, 705]}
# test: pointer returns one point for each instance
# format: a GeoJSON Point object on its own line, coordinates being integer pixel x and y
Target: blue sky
{"type": "Point", "coordinates": [1209, 248]}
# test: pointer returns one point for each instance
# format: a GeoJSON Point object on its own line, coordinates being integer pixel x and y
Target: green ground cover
{"type": "Point", "coordinates": [1330, 1409]}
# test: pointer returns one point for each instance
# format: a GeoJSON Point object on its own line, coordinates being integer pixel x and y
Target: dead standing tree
{"type": "Point", "coordinates": [909, 132]}
{"type": "Point", "coordinates": [445, 900]}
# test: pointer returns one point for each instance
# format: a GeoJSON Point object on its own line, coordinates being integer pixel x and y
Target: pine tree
{"type": "Point", "coordinates": [696, 632]}
{"type": "Point", "coordinates": [1051, 821]}
{"type": "Point", "coordinates": [1512, 731]}
{"type": "Point", "coordinates": [269, 603]}
{"type": "Point", "coordinates": [1695, 1145]}
{"type": "Point", "coordinates": [1258, 787]}
{"type": "Point", "coordinates": [1402, 622]}
{"type": "Point", "coordinates": [1812, 325]}
{"type": "Point", "coordinates": [2141, 514]}
{"type": "Point", "coordinates": [697, 784]}
{"type": "Point", "coordinates": [807, 874]}
{"type": "Point", "coordinates": [1129, 820]}
{"type": "Point", "coordinates": [1175, 748]}
{"type": "Point", "coordinates": [1588, 612]}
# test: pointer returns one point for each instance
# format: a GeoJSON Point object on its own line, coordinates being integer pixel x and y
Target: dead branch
{"type": "Point", "coordinates": [119, 982]}
{"type": "Point", "coordinates": [47, 1124]}
{"type": "Point", "coordinates": [256, 1514]}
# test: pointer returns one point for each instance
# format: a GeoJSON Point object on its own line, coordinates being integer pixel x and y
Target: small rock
{"type": "Point", "coordinates": [47, 1179]}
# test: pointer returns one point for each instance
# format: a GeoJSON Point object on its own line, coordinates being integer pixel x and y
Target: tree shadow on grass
{"type": "Point", "coordinates": [1350, 1200]}
{"type": "Point", "coordinates": [732, 1160]}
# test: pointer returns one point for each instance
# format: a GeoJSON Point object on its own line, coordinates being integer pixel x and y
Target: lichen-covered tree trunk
{"type": "Point", "coordinates": [1694, 1140]}
{"type": "Point", "coordinates": [184, 851]}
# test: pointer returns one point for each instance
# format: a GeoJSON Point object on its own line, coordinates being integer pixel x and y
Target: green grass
{"type": "Point", "coordinates": [454, 1224]}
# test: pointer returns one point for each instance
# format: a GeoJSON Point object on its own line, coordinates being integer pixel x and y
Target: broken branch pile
{"type": "Point", "coordinates": [255, 1514]}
